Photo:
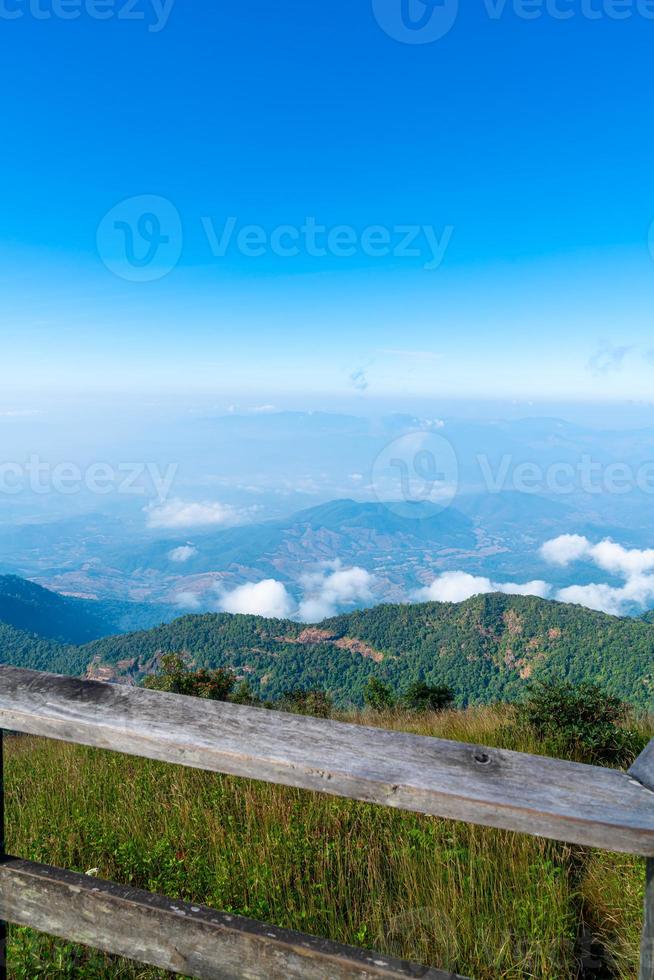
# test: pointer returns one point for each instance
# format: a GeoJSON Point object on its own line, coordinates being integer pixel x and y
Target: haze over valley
{"type": "Point", "coordinates": [307, 514]}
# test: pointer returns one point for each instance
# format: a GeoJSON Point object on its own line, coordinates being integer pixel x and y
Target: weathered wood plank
{"type": "Point", "coordinates": [533, 794]}
{"type": "Point", "coordinates": [176, 936]}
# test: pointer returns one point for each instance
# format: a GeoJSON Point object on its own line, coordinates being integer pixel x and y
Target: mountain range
{"type": "Point", "coordinates": [486, 648]}
{"type": "Point", "coordinates": [157, 575]}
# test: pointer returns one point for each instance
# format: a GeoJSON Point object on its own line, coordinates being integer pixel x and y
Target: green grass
{"type": "Point", "coordinates": [485, 903]}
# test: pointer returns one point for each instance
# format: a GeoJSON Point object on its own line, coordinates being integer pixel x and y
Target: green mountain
{"type": "Point", "coordinates": [23, 649]}
{"type": "Point", "coordinates": [28, 606]}
{"type": "Point", "coordinates": [486, 649]}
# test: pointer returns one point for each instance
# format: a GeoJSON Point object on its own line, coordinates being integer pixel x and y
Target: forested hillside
{"type": "Point", "coordinates": [32, 609]}
{"type": "Point", "coordinates": [24, 649]}
{"type": "Point", "coordinates": [27, 606]}
{"type": "Point", "coordinates": [486, 649]}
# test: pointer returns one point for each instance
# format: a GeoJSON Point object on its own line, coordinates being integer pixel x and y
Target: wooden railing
{"type": "Point", "coordinates": [566, 801]}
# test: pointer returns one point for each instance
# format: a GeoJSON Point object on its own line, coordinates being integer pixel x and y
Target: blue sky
{"type": "Point", "coordinates": [525, 146]}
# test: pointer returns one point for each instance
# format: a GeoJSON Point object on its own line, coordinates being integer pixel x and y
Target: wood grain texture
{"type": "Point", "coordinates": [189, 939]}
{"type": "Point", "coordinates": [533, 794]}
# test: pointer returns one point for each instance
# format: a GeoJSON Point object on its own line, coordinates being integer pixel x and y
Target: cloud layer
{"type": "Point", "coordinates": [633, 565]}
{"type": "Point", "coordinates": [326, 592]}
{"type": "Point", "coordinates": [332, 589]}
{"type": "Point", "coordinates": [458, 586]}
{"type": "Point", "coordinates": [179, 514]}
{"type": "Point", "coordinates": [182, 554]}
{"type": "Point", "coordinates": [268, 598]}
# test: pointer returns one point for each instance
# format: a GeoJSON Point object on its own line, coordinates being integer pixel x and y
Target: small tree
{"type": "Point", "coordinates": [176, 677]}
{"type": "Point", "coordinates": [313, 702]}
{"type": "Point", "coordinates": [378, 695]}
{"type": "Point", "coordinates": [243, 694]}
{"type": "Point", "coordinates": [580, 721]}
{"type": "Point", "coordinates": [420, 696]}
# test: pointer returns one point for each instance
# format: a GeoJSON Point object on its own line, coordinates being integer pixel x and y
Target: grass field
{"type": "Point", "coordinates": [485, 903]}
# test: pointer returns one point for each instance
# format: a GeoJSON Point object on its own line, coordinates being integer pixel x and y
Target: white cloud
{"type": "Point", "coordinates": [187, 600]}
{"type": "Point", "coordinates": [565, 549]}
{"type": "Point", "coordinates": [603, 598]}
{"type": "Point", "coordinates": [325, 592]}
{"type": "Point", "coordinates": [638, 590]}
{"type": "Point", "coordinates": [328, 591]}
{"type": "Point", "coordinates": [607, 554]}
{"type": "Point", "coordinates": [454, 587]}
{"type": "Point", "coordinates": [267, 598]}
{"type": "Point", "coordinates": [630, 564]}
{"type": "Point", "coordinates": [613, 557]}
{"type": "Point", "coordinates": [314, 610]}
{"type": "Point", "coordinates": [182, 554]}
{"type": "Point", "coordinates": [536, 587]}
{"type": "Point", "coordinates": [458, 586]}
{"type": "Point", "coordinates": [177, 514]}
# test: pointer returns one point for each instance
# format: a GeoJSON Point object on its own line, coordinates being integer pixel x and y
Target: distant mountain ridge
{"type": "Point", "coordinates": [218, 548]}
{"type": "Point", "coordinates": [27, 606]}
{"type": "Point", "coordinates": [404, 545]}
{"type": "Point", "coordinates": [30, 607]}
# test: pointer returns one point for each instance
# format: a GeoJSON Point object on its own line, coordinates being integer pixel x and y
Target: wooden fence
{"type": "Point", "coordinates": [566, 801]}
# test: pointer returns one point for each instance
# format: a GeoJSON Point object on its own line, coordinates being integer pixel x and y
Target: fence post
{"type": "Point", "coordinates": [647, 941]}
{"type": "Point", "coordinates": [643, 771]}
{"type": "Point", "coordinates": [3, 925]}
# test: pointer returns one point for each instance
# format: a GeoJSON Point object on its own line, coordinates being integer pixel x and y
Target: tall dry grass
{"type": "Point", "coordinates": [484, 903]}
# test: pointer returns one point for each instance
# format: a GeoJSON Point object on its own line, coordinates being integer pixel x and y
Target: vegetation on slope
{"type": "Point", "coordinates": [485, 649]}
{"type": "Point", "coordinates": [23, 649]}
{"type": "Point", "coordinates": [27, 606]}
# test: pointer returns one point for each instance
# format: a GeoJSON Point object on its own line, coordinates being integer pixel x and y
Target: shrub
{"type": "Point", "coordinates": [313, 702]}
{"type": "Point", "coordinates": [176, 677]}
{"type": "Point", "coordinates": [581, 721]}
{"type": "Point", "coordinates": [243, 694]}
{"type": "Point", "coordinates": [420, 696]}
{"type": "Point", "coordinates": [378, 695]}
